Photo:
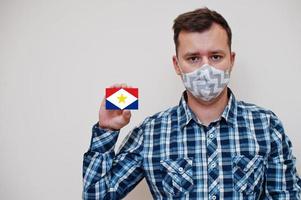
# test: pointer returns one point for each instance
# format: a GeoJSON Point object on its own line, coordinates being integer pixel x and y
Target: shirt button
{"type": "Point", "coordinates": [211, 136]}
{"type": "Point", "coordinates": [213, 165]}
{"type": "Point", "coordinates": [213, 197]}
{"type": "Point", "coordinates": [181, 169]}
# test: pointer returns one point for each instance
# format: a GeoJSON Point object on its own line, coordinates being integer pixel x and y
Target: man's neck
{"type": "Point", "coordinates": [208, 112]}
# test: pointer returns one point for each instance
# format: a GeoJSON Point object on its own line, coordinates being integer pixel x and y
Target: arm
{"type": "Point", "coordinates": [282, 181]}
{"type": "Point", "coordinates": [110, 176]}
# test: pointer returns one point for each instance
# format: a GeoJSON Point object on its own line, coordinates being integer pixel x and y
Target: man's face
{"type": "Point", "coordinates": [209, 47]}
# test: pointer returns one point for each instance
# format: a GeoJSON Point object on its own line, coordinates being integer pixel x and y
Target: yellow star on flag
{"type": "Point", "coordinates": [121, 98]}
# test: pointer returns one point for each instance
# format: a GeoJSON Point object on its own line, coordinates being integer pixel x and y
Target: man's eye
{"type": "Point", "coordinates": [193, 59]}
{"type": "Point", "coordinates": [216, 57]}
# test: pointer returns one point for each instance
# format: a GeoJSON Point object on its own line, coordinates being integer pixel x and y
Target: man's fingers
{"type": "Point", "coordinates": [126, 114]}
{"type": "Point", "coordinates": [123, 85]}
{"type": "Point", "coordinates": [118, 85]}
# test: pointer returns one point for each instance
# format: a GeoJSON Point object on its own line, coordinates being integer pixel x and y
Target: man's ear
{"type": "Point", "coordinates": [232, 59]}
{"type": "Point", "coordinates": [176, 65]}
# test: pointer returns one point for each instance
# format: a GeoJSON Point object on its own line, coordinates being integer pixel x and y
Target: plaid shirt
{"type": "Point", "coordinates": [243, 155]}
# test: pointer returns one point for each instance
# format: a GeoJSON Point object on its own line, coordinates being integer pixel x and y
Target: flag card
{"type": "Point", "coordinates": [122, 98]}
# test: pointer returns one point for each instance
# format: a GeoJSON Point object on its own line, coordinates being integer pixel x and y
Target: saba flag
{"type": "Point", "coordinates": [122, 98]}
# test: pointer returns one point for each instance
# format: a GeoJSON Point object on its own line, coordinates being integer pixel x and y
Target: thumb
{"type": "Point", "coordinates": [126, 114]}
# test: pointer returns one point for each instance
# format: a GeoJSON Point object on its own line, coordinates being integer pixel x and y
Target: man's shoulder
{"type": "Point", "coordinates": [254, 109]}
{"type": "Point", "coordinates": [258, 115]}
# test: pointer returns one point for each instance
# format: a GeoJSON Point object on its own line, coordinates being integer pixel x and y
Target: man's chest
{"type": "Point", "coordinates": [218, 162]}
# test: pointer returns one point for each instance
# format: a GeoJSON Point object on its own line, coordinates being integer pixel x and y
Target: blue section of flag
{"type": "Point", "coordinates": [111, 106]}
{"type": "Point", "coordinates": [132, 106]}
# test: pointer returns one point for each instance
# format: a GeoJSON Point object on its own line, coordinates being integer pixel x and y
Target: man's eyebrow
{"type": "Point", "coordinates": [215, 51]}
{"type": "Point", "coordinates": [191, 54]}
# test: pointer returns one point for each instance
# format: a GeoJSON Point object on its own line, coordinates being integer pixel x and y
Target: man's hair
{"type": "Point", "coordinates": [199, 20]}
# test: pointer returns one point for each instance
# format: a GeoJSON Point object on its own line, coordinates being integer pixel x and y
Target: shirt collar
{"type": "Point", "coordinates": [186, 114]}
{"type": "Point", "coordinates": [230, 111]}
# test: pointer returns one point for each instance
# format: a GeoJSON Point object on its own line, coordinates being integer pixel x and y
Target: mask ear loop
{"type": "Point", "coordinates": [182, 73]}
{"type": "Point", "coordinates": [229, 71]}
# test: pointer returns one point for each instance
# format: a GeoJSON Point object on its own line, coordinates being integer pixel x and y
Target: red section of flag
{"type": "Point", "coordinates": [133, 91]}
{"type": "Point", "coordinates": [110, 91]}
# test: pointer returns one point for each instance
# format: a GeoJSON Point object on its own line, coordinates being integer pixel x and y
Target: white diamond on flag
{"type": "Point", "coordinates": [121, 98]}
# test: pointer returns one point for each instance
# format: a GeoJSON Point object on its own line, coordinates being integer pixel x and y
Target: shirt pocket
{"type": "Point", "coordinates": [177, 176]}
{"type": "Point", "coordinates": [248, 173]}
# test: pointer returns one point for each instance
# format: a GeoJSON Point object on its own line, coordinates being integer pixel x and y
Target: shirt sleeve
{"type": "Point", "coordinates": [282, 180]}
{"type": "Point", "coordinates": [110, 176]}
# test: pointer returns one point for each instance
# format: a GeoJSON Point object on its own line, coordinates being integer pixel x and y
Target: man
{"type": "Point", "coordinates": [210, 146]}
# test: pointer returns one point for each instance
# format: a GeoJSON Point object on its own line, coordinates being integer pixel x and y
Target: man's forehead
{"type": "Point", "coordinates": [214, 39]}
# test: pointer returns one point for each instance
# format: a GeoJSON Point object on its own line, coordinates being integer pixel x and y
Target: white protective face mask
{"type": "Point", "coordinates": [206, 82]}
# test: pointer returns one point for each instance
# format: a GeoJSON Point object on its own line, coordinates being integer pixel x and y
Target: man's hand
{"type": "Point", "coordinates": [113, 119]}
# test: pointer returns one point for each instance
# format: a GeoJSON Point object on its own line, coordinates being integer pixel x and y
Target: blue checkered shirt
{"type": "Point", "coordinates": [243, 155]}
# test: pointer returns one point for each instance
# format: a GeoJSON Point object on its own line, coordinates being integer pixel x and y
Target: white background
{"type": "Point", "coordinates": [57, 57]}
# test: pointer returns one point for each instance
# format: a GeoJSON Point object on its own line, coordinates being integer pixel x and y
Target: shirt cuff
{"type": "Point", "coordinates": [103, 140]}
